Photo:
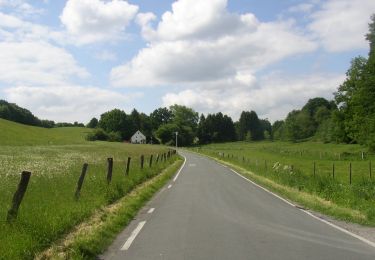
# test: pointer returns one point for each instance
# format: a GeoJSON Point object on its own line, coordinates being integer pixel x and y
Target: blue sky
{"type": "Point", "coordinates": [73, 60]}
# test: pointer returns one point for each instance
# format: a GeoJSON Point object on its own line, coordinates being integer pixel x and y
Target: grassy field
{"type": "Point", "coordinates": [15, 134]}
{"type": "Point", "coordinates": [292, 165]}
{"type": "Point", "coordinates": [49, 209]}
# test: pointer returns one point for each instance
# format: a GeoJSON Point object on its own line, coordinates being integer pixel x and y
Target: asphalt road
{"type": "Point", "coordinates": [209, 212]}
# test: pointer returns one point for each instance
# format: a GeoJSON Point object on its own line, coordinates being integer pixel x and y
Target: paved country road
{"type": "Point", "coordinates": [209, 212]}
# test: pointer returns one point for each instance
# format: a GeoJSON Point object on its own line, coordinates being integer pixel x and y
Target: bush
{"type": "Point", "coordinates": [97, 134]}
{"type": "Point", "coordinates": [114, 137]}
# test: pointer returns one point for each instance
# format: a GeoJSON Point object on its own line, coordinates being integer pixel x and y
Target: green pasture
{"type": "Point", "coordinates": [49, 209]}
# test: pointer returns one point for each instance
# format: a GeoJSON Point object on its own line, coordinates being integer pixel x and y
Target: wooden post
{"type": "Point", "coordinates": [80, 181]}
{"type": "Point", "coordinates": [142, 160]}
{"type": "Point", "coordinates": [157, 158]}
{"type": "Point", "coordinates": [18, 196]}
{"type": "Point", "coordinates": [314, 169]}
{"type": "Point", "coordinates": [128, 166]}
{"type": "Point", "coordinates": [350, 173]}
{"type": "Point", "coordinates": [109, 170]}
{"type": "Point", "coordinates": [333, 170]}
{"type": "Point", "coordinates": [151, 160]}
{"type": "Point", "coordinates": [363, 155]}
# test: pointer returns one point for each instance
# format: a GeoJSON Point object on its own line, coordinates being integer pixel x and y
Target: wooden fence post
{"type": "Point", "coordinates": [333, 170]}
{"type": "Point", "coordinates": [157, 158]}
{"type": "Point", "coordinates": [151, 160]}
{"type": "Point", "coordinates": [109, 170]}
{"type": "Point", "coordinates": [18, 196]}
{"type": "Point", "coordinates": [350, 173]}
{"type": "Point", "coordinates": [80, 181]}
{"type": "Point", "coordinates": [314, 169]}
{"type": "Point", "coordinates": [142, 160]}
{"type": "Point", "coordinates": [128, 166]}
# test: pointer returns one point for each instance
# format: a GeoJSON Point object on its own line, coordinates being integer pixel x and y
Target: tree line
{"type": "Point", "coordinates": [13, 112]}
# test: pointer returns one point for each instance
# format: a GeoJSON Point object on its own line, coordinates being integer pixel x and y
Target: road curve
{"type": "Point", "coordinates": [209, 212]}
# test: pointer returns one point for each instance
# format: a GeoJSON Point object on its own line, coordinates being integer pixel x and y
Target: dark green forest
{"type": "Point", "coordinates": [348, 118]}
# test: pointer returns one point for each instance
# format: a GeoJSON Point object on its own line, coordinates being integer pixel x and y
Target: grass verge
{"type": "Point", "coordinates": [93, 236]}
{"type": "Point", "coordinates": [305, 199]}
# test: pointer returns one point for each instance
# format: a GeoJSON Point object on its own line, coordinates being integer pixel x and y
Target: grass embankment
{"type": "Point", "coordinates": [95, 235]}
{"type": "Point", "coordinates": [289, 170]}
{"type": "Point", "coordinates": [49, 210]}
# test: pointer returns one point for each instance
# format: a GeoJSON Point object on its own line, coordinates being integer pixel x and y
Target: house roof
{"type": "Point", "coordinates": [138, 133]}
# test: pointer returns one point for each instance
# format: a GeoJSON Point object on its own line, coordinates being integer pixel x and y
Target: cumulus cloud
{"type": "Point", "coordinates": [201, 41]}
{"type": "Point", "coordinates": [272, 96]}
{"type": "Point", "coordinates": [68, 103]}
{"type": "Point", "coordinates": [92, 21]}
{"type": "Point", "coordinates": [41, 63]}
{"type": "Point", "coordinates": [341, 25]}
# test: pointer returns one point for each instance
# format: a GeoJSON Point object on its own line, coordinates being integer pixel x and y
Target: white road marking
{"type": "Point", "coordinates": [150, 210]}
{"type": "Point", "coordinates": [192, 165]}
{"type": "Point", "coordinates": [133, 236]}
{"type": "Point", "coordinates": [368, 242]}
{"type": "Point", "coordinates": [169, 186]}
{"type": "Point", "coordinates": [175, 178]}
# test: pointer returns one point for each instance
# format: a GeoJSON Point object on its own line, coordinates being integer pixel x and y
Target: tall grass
{"type": "Point", "coordinates": [49, 209]}
{"type": "Point", "coordinates": [292, 165]}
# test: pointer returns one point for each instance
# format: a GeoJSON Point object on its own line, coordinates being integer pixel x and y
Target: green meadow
{"type": "Point", "coordinates": [321, 170]}
{"type": "Point", "coordinates": [55, 158]}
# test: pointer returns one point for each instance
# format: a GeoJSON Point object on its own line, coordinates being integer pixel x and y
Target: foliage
{"type": "Point", "coordinates": [215, 128]}
{"type": "Point", "coordinates": [93, 123]}
{"type": "Point", "coordinates": [249, 122]}
{"type": "Point", "coordinates": [12, 112]}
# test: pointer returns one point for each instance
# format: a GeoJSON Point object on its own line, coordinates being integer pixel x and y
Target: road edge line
{"type": "Point", "coordinates": [179, 171]}
{"type": "Point", "coordinates": [368, 242]}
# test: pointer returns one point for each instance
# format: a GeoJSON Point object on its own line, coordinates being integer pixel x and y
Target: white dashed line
{"type": "Point", "coordinates": [133, 236]}
{"type": "Point", "coordinates": [169, 186]}
{"type": "Point", "coordinates": [150, 210]}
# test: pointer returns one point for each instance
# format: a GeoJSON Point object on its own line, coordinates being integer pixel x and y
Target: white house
{"type": "Point", "coordinates": [138, 138]}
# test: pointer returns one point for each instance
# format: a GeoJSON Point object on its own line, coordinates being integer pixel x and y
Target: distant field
{"type": "Point", "coordinates": [49, 209]}
{"type": "Point", "coordinates": [12, 133]}
{"type": "Point", "coordinates": [292, 165]}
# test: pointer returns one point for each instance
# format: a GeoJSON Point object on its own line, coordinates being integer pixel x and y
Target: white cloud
{"type": "Point", "coordinates": [68, 103]}
{"type": "Point", "coordinates": [90, 21]}
{"type": "Point", "coordinates": [341, 25]}
{"type": "Point", "coordinates": [41, 63]}
{"type": "Point", "coordinates": [21, 7]}
{"type": "Point", "coordinates": [200, 41]}
{"type": "Point", "coordinates": [271, 97]}
{"type": "Point", "coordinates": [106, 55]}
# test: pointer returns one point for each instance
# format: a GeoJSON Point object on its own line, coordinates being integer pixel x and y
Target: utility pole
{"type": "Point", "coordinates": [176, 139]}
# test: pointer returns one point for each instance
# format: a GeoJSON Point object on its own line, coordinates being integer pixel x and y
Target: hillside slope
{"type": "Point", "coordinates": [12, 133]}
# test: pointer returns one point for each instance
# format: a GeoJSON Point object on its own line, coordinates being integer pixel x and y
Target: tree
{"type": "Point", "coordinates": [93, 123]}
{"type": "Point", "coordinates": [216, 128]}
{"type": "Point", "coordinates": [160, 117]}
{"type": "Point", "coordinates": [166, 133]}
{"type": "Point", "coordinates": [249, 121]}
{"type": "Point", "coordinates": [185, 116]}
{"type": "Point", "coordinates": [115, 121]}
